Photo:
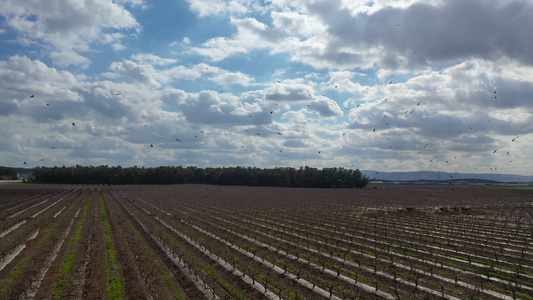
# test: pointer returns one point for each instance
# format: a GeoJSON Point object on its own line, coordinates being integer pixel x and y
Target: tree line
{"type": "Point", "coordinates": [7, 173]}
{"type": "Point", "coordinates": [247, 176]}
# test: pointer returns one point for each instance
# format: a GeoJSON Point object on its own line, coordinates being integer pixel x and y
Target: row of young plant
{"type": "Point", "coordinates": [338, 261]}
{"type": "Point", "coordinates": [465, 247]}
{"type": "Point", "coordinates": [152, 273]}
{"type": "Point", "coordinates": [418, 251]}
{"type": "Point", "coordinates": [289, 258]}
{"type": "Point", "coordinates": [425, 255]}
{"type": "Point", "coordinates": [240, 252]}
{"type": "Point", "coordinates": [326, 236]}
{"type": "Point", "coordinates": [456, 246]}
{"type": "Point", "coordinates": [23, 275]}
{"type": "Point", "coordinates": [13, 219]}
{"type": "Point", "coordinates": [63, 285]}
{"type": "Point", "coordinates": [208, 269]}
{"type": "Point", "coordinates": [211, 269]}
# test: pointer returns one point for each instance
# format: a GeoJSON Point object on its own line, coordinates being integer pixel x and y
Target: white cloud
{"type": "Point", "coordinates": [326, 107]}
{"type": "Point", "coordinates": [137, 73]}
{"type": "Point", "coordinates": [206, 8]}
{"type": "Point", "coordinates": [67, 58]}
{"type": "Point", "coordinates": [289, 92]}
{"type": "Point", "coordinates": [144, 58]}
{"type": "Point", "coordinates": [229, 78]}
{"type": "Point", "coordinates": [67, 25]}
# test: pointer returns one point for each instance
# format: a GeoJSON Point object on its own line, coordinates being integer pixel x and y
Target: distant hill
{"type": "Point", "coordinates": [444, 176]}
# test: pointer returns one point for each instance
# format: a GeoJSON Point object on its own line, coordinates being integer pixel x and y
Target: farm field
{"type": "Point", "coordinates": [229, 242]}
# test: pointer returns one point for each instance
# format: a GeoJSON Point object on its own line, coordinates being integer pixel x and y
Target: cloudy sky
{"type": "Point", "coordinates": [388, 85]}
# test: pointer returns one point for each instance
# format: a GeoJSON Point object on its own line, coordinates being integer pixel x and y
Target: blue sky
{"type": "Point", "coordinates": [392, 85]}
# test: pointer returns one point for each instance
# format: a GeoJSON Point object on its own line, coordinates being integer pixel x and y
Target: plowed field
{"type": "Point", "coordinates": [227, 242]}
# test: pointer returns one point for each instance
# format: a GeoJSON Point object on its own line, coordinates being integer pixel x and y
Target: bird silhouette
{"type": "Point", "coordinates": [495, 151]}
{"type": "Point", "coordinates": [151, 146]}
{"type": "Point", "coordinates": [178, 140]}
{"type": "Point", "coordinates": [73, 124]}
{"type": "Point", "coordinates": [24, 163]}
{"type": "Point", "coordinates": [32, 96]}
{"type": "Point", "coordinates": [390, 82]}
{"type": "Point", "coordinates": [514, 139]}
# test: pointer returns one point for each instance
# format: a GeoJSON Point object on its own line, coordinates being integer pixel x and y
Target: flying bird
{"type": "Point", "coordinates": [279, 81]}
{"type": "Point", "coordinates": [279, 133]}
{"type": "Point", "coordinates": [151, 146]}
{"type": "Point", "coordinates": [73, 124]}
{"type": "Point", "coordinates": [271, 111]}
{"type": "Point", "coordinates": [514, 139]}
{"type": "Point", "coordinates": [178, 140]}
{"type": "Point", "coordinates": [495, 151]}
{"type": "Point", "coordinates": [390, 82]}
{"type": "Point", "coordinates": [32, 96]}
{"type": "Point", "coordinates": [24, 163]}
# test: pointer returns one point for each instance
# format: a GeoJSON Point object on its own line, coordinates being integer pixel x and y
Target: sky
{"type": "Point", "coordinates": [387, 85]}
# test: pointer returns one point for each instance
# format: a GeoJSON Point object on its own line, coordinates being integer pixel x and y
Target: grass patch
{"type": "Point", "coordinates": [62, 285]}
{"type": "Point", "coordinates": [225, 285]}
{"type": "Point", "coordinates": [115, 284]}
